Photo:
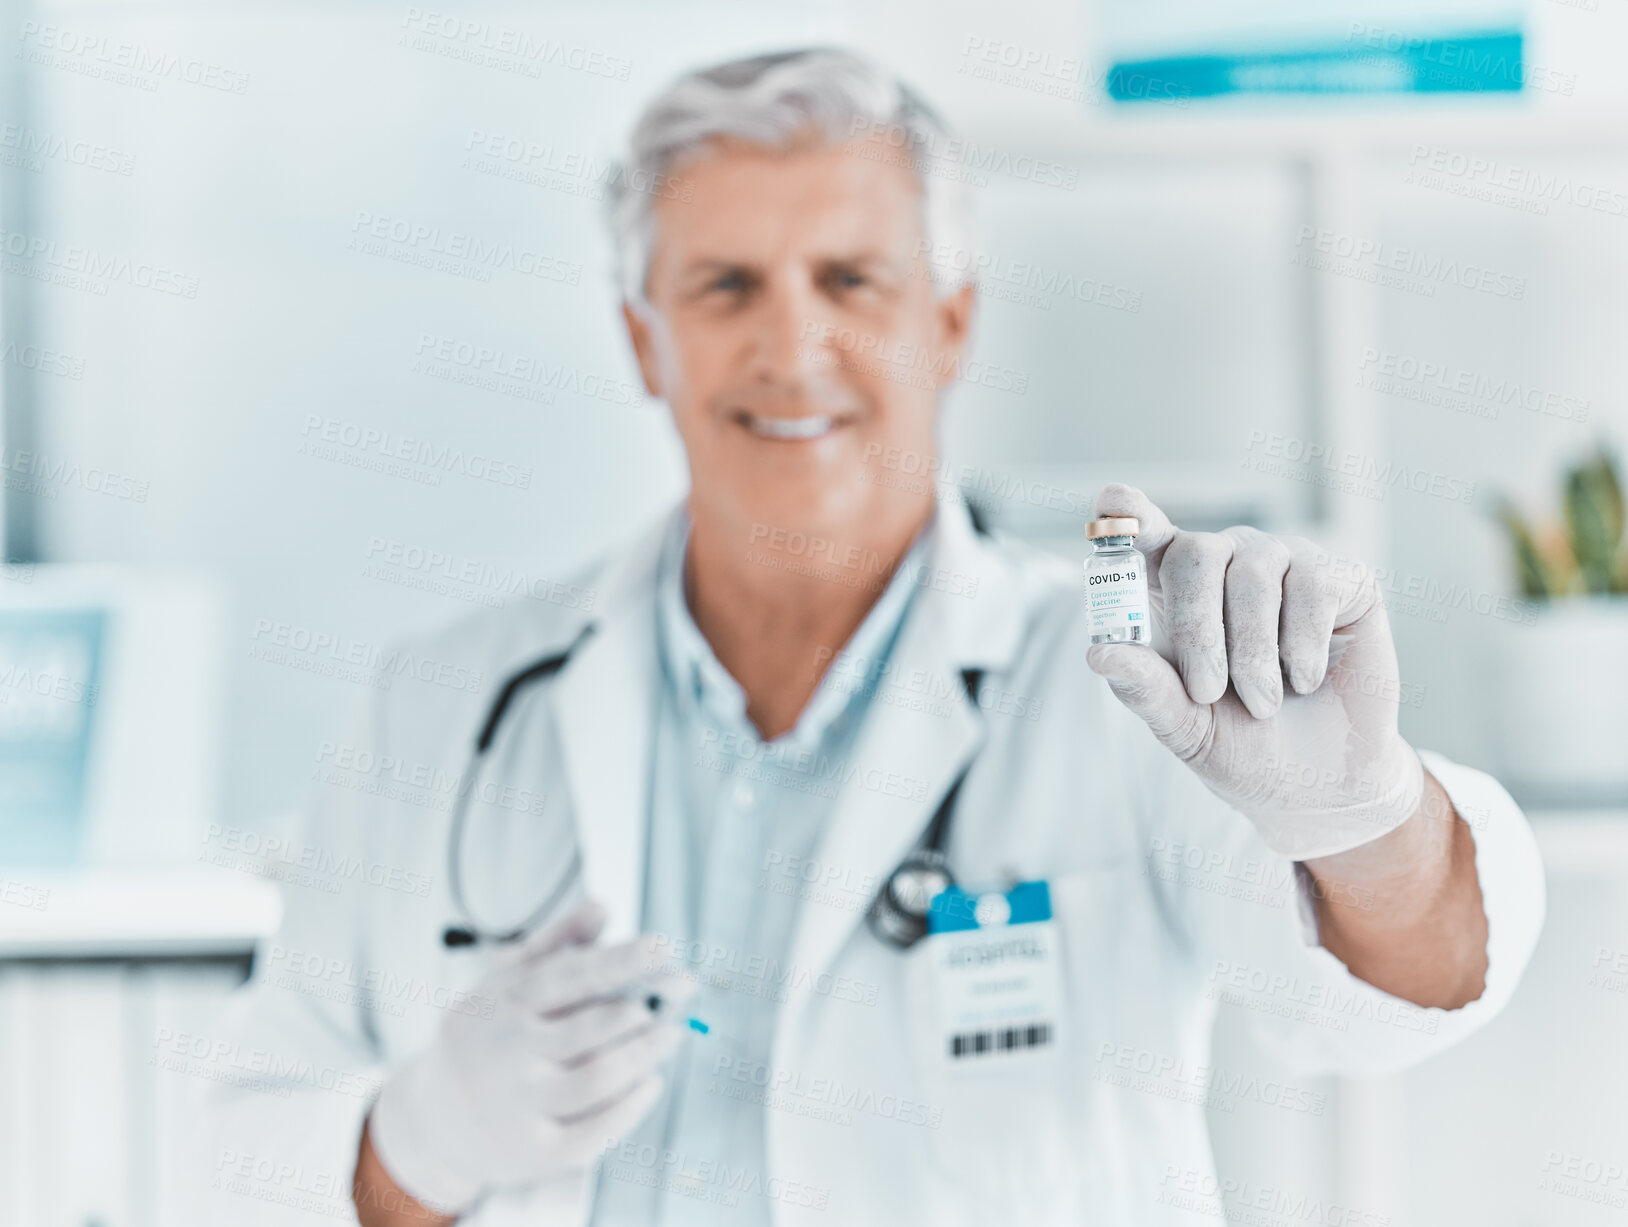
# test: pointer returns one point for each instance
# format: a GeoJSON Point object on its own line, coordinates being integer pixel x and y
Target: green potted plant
{"type": "Point", "coordinates": [1564, 716]}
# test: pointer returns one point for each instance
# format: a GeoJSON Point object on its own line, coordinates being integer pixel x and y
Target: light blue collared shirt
{"type": "Point", "coordinates": [730, 819]}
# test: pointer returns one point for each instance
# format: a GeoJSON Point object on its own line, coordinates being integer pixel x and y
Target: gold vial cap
{"type": "Point", "coordinates": [1112, 526]}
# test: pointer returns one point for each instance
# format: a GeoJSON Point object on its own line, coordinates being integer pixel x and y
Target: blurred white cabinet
{"type": "Point", "coordinates": [95, 987]}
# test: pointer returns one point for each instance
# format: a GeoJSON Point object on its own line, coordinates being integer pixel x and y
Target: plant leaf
{"type": "Point", "coordinates": [1529, 566]}
{"type": "Point", "coordinates": [1594, 519]}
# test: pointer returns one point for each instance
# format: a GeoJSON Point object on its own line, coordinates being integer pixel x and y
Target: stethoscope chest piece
{"type": "Point", "coordinates": [898, 914]}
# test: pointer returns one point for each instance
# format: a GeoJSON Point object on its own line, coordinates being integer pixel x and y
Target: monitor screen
{"type": "Point", "coordinates": [50, 662]}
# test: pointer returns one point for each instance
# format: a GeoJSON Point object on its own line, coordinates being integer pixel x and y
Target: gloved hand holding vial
{"type": "Point", "coordinates": [1319, 767]}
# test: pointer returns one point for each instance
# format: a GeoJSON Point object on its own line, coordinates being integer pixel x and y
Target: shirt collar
{"type": "Point", "coordinates": [697, 676]}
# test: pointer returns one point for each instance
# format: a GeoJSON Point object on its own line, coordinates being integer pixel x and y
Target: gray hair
{"type": "Point", "coordinates": [773, 100]}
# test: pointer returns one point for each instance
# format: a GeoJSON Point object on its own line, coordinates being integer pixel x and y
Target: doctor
{"type": "Point", "coordinates": [761, 707]}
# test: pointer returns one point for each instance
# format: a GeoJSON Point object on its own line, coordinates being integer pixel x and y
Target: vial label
{"type": "Point", "coordinates": [1116, 596]}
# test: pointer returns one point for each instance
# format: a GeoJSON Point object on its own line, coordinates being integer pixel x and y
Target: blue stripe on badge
{"type": "Point", "coordinates": [1371, 60]}
{"type": "Point", "coordinates": [956, 910]}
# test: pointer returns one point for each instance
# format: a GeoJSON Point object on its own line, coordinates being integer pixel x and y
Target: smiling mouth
{"type": "Point", "coordinates": [791, 430]}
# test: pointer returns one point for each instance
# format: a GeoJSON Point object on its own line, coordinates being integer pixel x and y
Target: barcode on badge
{"type": "Point", "coordinates": [1007, 1039]}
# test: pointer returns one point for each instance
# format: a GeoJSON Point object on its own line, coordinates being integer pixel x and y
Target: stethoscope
{"type": "Point", "coordinates": [470, 933]}
{"type": "Point", "coordinates": [898, 915]}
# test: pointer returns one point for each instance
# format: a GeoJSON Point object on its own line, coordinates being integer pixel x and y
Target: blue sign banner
{"type": "Point", "coordinates": [1367, 61]}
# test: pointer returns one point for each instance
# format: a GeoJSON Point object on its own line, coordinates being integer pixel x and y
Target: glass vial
{"type": "Point", "coordinates": [1116, 582]}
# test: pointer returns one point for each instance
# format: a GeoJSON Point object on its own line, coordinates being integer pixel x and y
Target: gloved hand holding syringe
{"type": "Point", "coordinates": [568, 1060]}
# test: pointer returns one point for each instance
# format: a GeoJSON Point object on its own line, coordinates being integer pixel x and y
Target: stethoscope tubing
{"type": "Point", "coordinates": [894, 922]}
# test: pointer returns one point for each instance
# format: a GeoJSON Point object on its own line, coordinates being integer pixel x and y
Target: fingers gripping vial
{"type": "Point", "coordinates": [1116, 582]}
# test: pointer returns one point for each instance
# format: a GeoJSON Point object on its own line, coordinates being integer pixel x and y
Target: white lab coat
{"type": "Point", "coordinates": [1165, 900]}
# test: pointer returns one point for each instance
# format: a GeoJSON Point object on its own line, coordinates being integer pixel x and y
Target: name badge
{"type": "Point", "coordinates": [995, 971]}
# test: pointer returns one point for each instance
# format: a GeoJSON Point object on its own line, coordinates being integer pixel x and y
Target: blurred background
{"type": "Point", "coordinates": [270, 401]}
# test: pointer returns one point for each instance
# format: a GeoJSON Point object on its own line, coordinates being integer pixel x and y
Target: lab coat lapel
{"type": "Point", "coordinates": [970, 622]}
{"type": "Point", "coordinates": [870, 826]}
{"type": "Point", "coordinates": [606, 704]}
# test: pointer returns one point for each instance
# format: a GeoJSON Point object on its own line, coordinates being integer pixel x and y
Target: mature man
{"type": "Point", "coordinates": [742, 734]}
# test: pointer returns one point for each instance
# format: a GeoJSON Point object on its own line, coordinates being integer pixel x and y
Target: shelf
{"type": "Point", "coordinates": [1225, 130]}
{"type": "Point", "coordinates": [133, 914]}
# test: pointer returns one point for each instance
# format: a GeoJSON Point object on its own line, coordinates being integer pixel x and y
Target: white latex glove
{"type": "Point", "coordinates": [562, 1067]}
{"type": "Point", "coordinates": [1318, 770]}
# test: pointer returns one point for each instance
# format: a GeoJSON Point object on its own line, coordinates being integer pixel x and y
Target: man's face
{"type": "Point", "coordinates": [792, 327]}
